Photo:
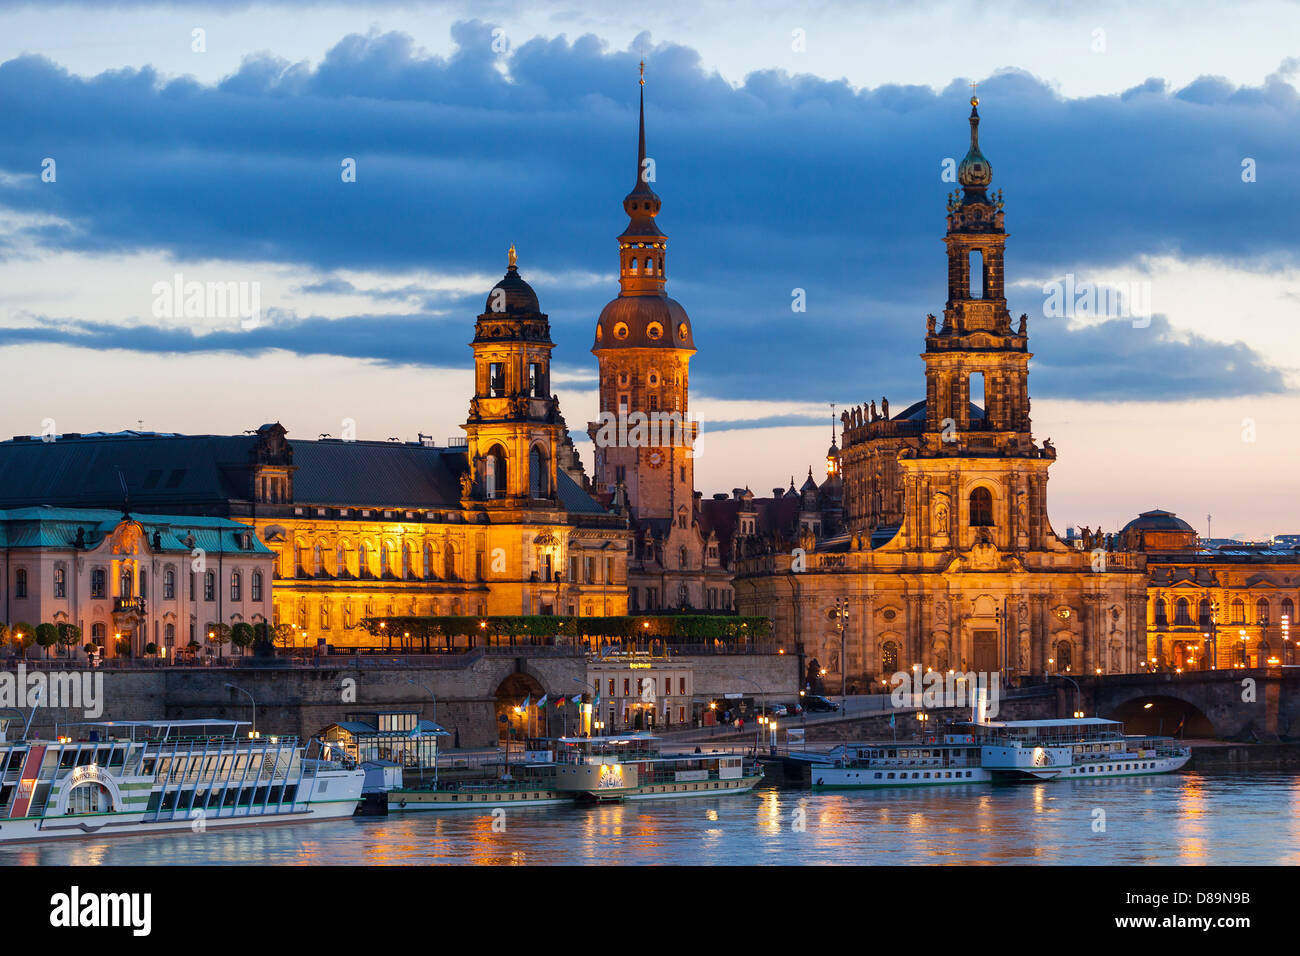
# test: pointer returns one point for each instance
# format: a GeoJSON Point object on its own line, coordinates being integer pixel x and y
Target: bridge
{"type": "Point", "coordinates": [1235, 704]}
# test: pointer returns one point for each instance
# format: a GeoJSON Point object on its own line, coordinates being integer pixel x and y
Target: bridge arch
{"type": "Point", "coordinates": [1162, 714]}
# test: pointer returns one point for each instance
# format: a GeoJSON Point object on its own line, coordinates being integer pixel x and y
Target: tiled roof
{"type": "Point", "coordinates": [47, 527]}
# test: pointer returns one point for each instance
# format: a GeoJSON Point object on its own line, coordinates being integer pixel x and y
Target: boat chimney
{"type": "Point", "coordinates": [980, 706]}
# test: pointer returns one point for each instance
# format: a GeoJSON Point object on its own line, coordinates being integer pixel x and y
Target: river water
{"type": "Point", "coordinates": [1176, 819]}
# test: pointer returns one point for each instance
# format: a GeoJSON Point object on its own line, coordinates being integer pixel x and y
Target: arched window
{"type": "Point", "coordinates": [1182, 612]}
{"type": "Point", "coordinates": [1064, 656]}
{"type": "Point", "coordinates": [169, 635]}
{"type": "Point", "coordinates": [385, 559]}
{"type": "Point", "coordinates": [1203, 613]}
{"type": "Point", "coordinates": [169, 584]}
{"type": "Point", "coordinates": [344, 559]}
{"type": "Point", "coordinates": [60, 583]}
{"type": "Point", "coordinates": [494, 474]}
{"type": "Point", "coordinates": [363, 560]}
{"type": "Point", "coordinates": [408, 560]}
{"type": "Point", "coordinates": [634, 262]}
{"type": "Point", "coordinates": [429, 571]}
{"type": "Point", "coordinates": [236, 586]}
{"type": "Point", "coordinates": [976, 274]}
{"type": "Point", "coordinates": [1238, 611]}
{"type": "Point", "coordinates": [20, 583]}
{"type": "Point", "coordinates": [539, 483]}
{"type": "Point", "coordinates": [256, 589]}
{"type": "Point", "coordinates": [449, 562]}
{"type": "Point", "coordinates": [126, 582]}
{"type": "Point", "coordinates": [1288, 610]}
{"type": "Point", "coordinates": [210, 586]}
{"type": "Point", "coordinates": [682, 560]}
{"type": "Point", "coordinates": [889, 658]}
{"type": "Point", "coordinates": [649, 267]}
{"type": "Point", "coordinates": [1261, 611]}
{"type": "Point", "coordinates": [1161, 620]}
{"type": "Point", "coordinates": [318, 558]}
{"type": "Point", "coordinates": [981, 508]}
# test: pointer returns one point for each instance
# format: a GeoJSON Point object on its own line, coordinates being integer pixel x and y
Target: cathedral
{"type": "Point", "coordinates": [944, 557]}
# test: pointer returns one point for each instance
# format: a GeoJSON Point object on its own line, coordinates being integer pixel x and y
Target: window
{"type": "Point", "coordinates": [494, 476]}
{"type": "Point", "coordinates": [889, 658]}
{"type": "Point", "coordinates": [1064, 656]}
{"type": "Point", "coordinates": [126, 582]}
{"type": "Point", "coordinates": [325, 616]}
{"type": "Point", "coordinates": [144, 583]}
{"type": "Point", "coordinates": [20, 583]}
{"type": "Point", "coordinates": [496, 380]}
{"type": "Point", "coordinates": [1181, 613]}
{"type": "Point", "coordinates": [236, 586]}
{"type": "Point", "coordinates": [1261, 611]}
{"type": "Point", "coordinates": [981, 508]}
{"type": "Point", "coordinates": [60, 583]}
{"type": "Point", "coordinates": [1161, 620]}
{"type": "Point", "coordinates": [1288, 610]}
{"type": "Point", "coordinates": [976, 283]}
{"type": "Point", "coordinates": [1203, 613]}
{"type": "Point", "coordinates": [1238, 611]}
{"type": "Point", "coordinates": [169, 584]}
{"type": "Point", "coordinates": [210, 586]}
{"type": "Point", "coordinates": [536, 380]}
{"type": "Point", "coordinates": [539, 483]}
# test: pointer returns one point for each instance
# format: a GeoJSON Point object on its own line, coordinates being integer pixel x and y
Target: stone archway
{"type": "Point", "coordinates": [513, 720]}
{"type": "Point", "coordinates": [1163, 715]}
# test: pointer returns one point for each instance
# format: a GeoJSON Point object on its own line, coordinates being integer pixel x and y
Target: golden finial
{"type": "Point", "coordinates": [643, 72]}
{"type": "Point", "coordinates": [511, 256]}
{"type": "Point", "coordinates": [974, 100]}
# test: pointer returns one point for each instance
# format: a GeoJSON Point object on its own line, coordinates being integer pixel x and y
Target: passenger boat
{"type": "Point", "coordinates": [1003, 751]}
{"type": "Point", "coordinates": [124, 778]}
{"type": "Point", "coordinates": [567, 770]}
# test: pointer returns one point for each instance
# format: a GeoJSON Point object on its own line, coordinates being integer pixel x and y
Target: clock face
{"type": "Point", "coordinates": [656, 458]}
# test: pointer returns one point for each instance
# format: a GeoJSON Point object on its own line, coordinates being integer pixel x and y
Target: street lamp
{"type": "Point", "coordinates": [435, 739]}
{"type": "Point", "coordinates": [230, 686]}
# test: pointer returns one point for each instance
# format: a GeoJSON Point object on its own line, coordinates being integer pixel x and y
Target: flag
{"type": "Point", "coordinates": [560, 701]}
{"type": "Point", "coordinates": [542, 702]}
{"type": "Point", "coordinates": [891, 720]}
{"type": "Point", "coordinates": [527, 701]}
{"type": "Point", "coordinates": [596, 702]}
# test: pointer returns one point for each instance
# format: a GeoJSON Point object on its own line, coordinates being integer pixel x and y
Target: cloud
{"type": "Point", "coordinates": [777, 183]}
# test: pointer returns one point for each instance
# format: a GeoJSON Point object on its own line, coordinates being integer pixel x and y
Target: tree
{"type": "Point", "coordinates": [151, 648]}
{"type": "Point", "coordinates": [22, 634]}
{"type": "Point", "coordinates": [4, 634]}
{"type": "Point", "coordinates": [282, 634]}
{"type": "Point", "coordinates": [69, 635]}
{"type": "Point", "coordinates": [219, 634]}
{"type": "Point", "coordinates": [242, 636]}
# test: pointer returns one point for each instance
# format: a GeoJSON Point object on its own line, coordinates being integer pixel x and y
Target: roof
{"type": "Point", "coordinates": [1158, 520]}
{"type": "Point", "coordinates": [203, 474]}
{"type": "Point", "coordinates": [637, 312]}
{"type": "Point", "coordinates": [916, 413]}
{"type": "Point", "coordinates": [49, 527]}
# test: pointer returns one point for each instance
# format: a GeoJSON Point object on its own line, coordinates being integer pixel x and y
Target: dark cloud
{"type": "Point", "coordinates": [781, 182]}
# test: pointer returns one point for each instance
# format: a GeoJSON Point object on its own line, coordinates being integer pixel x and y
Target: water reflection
{"type": "Point", "coordinates": [1186, 818]}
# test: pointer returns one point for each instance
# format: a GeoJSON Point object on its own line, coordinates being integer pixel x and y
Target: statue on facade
{"type": "Point", "coordinates": [467, 484]}
{"type": "Point", "coordinates": [941, 518]}
{"type": "Point", "coordinates": [875, 416]}
{"type": "Point", "coordinates": [1049, 450]}
{"type": "Point", "coordinates": [884, 409]}
{"type": "Point", "coordinates": [930, 321]}
{"type": "Point", "coordinates": [1024, 324]}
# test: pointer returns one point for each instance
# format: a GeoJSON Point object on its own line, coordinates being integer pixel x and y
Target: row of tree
{"type": "Point", "coordinates": [672, 628]}
{"type": "Point", "coordinates": [64, 636]}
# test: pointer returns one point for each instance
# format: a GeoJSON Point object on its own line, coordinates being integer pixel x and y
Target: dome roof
{"type": "Point", "coordinates": [1158, 521]}
{"type": "Point", "coordinates": [644, 321]}
{"type": "Point", "coordinates": [975, 171]}
{"type": "Point", "coordinates": [519, 296]}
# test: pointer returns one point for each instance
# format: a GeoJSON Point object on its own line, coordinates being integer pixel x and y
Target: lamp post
{"type": "Point", "coordinates": [435, 738]}
{"type": "Point", "coordinates": [841, 618]}
{"type": "Point", "coordinates": [1078, 693]}
{"type": "Point", "coordinates": [595, 692]}
{"type": "Point", "coordinates": [230, 686]}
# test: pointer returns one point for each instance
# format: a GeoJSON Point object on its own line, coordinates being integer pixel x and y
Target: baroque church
{"type": "Point", "coordinates": [945, 557]}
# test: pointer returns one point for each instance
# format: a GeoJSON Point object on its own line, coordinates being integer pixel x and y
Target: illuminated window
{"type": "Point", "coordinates": [981, 508]}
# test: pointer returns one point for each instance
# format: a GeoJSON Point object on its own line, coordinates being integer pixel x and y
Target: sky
{"type": "Point", "coordinates": [1151, 154]}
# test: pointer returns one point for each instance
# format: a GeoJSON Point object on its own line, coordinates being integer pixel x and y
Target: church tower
{"type": "Point", "coordinates": [643, 347]}
{"type": "Point", "coordinates": [514, 430]}
{"type": "Point", "coordinates": [977, 463]}
{"type": "Point", "coordinates": [976, 365]}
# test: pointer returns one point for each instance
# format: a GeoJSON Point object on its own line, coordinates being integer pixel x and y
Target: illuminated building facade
{"type": "Point", "coordinates": [946, 558]}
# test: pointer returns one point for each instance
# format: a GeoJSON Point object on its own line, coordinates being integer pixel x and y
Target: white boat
{"type": "Point", "coordinates": [125, 778]}
{"type": "Point", "coordinates": [1003, 751]}
{"type": "Point", "coordinates": [567, 770]}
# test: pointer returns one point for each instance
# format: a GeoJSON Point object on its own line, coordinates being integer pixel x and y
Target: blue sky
{"type": "Point", "coordinates": [1118, 139]}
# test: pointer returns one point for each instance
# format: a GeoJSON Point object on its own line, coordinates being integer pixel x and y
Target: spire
{"type": "Point", "coordinates": [642, 244]}
{"type": "Point", "coordinates": [975, 172]}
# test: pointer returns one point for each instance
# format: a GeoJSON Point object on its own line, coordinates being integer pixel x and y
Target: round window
{"type": "Point", "coordinates": [683, 332]}
{"type": "Point", "coordinates": [600, 333]}
{"type": "Point", "coordinates": [620, 331]}
{"type": "Point", "coordinates": [655, 331]}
